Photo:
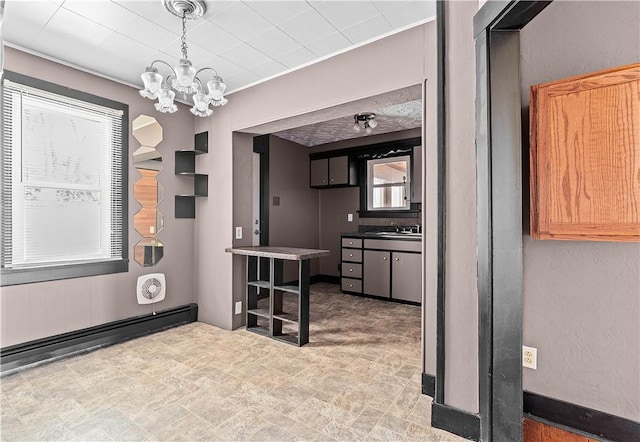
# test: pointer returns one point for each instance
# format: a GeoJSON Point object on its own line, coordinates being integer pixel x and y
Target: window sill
{"type": "Point", "coordinates": [27, 276]}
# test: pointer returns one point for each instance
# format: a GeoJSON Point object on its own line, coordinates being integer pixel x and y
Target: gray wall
{"type": "Point", "coordinates": [242, 214]}
{"type": "Point", "coordinates": [461, 317]}
{"type": "Point", "coordinates": [33, 311]}
{"type": "Point", "coordinates": [581, 299]}
{"type": "Point", "coordinates": [295, 222]}
{"type": "Point", "coordinates": [335, 204]}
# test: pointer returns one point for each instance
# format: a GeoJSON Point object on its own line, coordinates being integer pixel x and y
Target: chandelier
{"type": "Point", "coordinates": [183, 78]}
{"type": "Point", "coordinates": [369, 120]}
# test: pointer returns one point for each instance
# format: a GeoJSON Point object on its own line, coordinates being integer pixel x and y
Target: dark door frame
{"type": "Point", "coordinates": [499, 214]}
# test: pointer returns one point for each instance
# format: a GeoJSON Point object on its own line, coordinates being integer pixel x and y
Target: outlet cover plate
{"type": "Point", "coordinates": [530, 357]}
{"type": "Point", "coordinates": [238, 232]}
{"type": "Point", "coordinates": [238, 307]}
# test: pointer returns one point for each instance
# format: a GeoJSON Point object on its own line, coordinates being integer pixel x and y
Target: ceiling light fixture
{"type": "Point", "coordinates": [183, 77]}
{"type": "Point", "coordinates": [369, 120]}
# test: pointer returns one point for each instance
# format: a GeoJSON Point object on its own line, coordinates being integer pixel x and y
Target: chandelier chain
{"type": "Point", "coordinates": [183, 46]}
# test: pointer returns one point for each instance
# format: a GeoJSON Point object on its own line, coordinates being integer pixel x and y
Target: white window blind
{"type": "Point", "coordinates": [62, 179]}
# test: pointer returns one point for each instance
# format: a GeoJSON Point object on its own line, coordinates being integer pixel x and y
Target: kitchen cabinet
{"type": "Point", "coordinates": [377, 273]}
{"type": "Point", "coordinates": [351, 265]}
{"type": "Point", "coordinates": [406, 269]}
{"type": "Point", "coordinates": [319, 175]}
{"type": "Point", "coordinates": [332, 171]}
{"type": "Point", "coordinates": [382, 267]}
{"type": "Point", "coordinates": [585, 157]}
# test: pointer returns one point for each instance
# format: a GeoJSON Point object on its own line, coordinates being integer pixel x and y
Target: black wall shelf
{"type": "Point", "coordinates": [185, 164]}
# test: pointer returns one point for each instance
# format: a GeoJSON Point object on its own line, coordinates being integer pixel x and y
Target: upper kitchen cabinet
{"type": "Point", "coordinates": [332, 171]}
{"type": "Point", "coordinates": [585, 157]}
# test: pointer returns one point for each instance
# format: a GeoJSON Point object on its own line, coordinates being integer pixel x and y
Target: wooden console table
{"type": "Point", "coordinates": [265, 315]}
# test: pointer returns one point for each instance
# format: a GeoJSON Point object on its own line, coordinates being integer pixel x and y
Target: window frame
{"type": "Point", "coordinates": [406, 184]}
{"type": "Point", "coordinates": [15, 276]}
{"type": "Point", "coordinates": [387, 149]}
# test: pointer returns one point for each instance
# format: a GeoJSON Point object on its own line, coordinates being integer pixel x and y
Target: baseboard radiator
{"type": "Point", "coordinates": [55, 347]}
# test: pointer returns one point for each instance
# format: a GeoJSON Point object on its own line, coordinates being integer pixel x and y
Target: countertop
{"type": "Point", "coordinates": [290, 253]}
{"type": "Point", "coordinates": [384, 235]}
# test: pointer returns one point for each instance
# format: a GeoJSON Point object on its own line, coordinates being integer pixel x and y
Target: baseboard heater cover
{"type": "Point", "coordinates": [54, 347]}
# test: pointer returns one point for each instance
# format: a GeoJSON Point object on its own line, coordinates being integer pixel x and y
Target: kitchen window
{"type": "Point", "coordinates": [64, 192]}
{"type": "Point", "coordinates": [389, 183]}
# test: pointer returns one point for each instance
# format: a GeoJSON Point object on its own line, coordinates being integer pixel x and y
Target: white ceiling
{"type": "Point", "coordinates": [245, 41]}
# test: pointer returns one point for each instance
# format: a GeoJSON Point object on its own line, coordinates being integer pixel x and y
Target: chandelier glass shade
{"type": "Point", "coordinates": [183, 78]}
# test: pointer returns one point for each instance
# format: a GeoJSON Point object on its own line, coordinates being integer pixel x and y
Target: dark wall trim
{"type": "Point", "coordinates": [499, 212]}
{"type": "Point", "coordinates": [28, 276]}
{"type": "Point", "coordinates": [261, 146]}
{"type": "Point", "coordinates": [484, 238]}
{"type": "Point", "coordinates": [441, 15]}
{"type": "Point", "coordinates": [20, 355]}
{"type": "Point", "coordinates": [428, 384]}
{"type": "Point", "coordinates": [329, 279]}
{"type": "Point", "coordinates": [455, 421]}
{"type": "Point", "coordinates": [587, 420]}
{"type": "Point", "coordinates": [501, 15]}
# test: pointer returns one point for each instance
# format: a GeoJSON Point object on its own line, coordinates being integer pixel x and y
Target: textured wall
{"type": "Point", "coordinates": [33, 311]}
{"type": "Point", "coordinates": [582, 299]}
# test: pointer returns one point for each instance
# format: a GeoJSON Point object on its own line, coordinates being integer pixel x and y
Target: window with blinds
{"type": "Point", "coordinates": [64, 162]}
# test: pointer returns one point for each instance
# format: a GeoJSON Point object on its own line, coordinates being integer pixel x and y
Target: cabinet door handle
{"type": "Point", "coordinates": [384, 258]}
{"type": "Point", "coordinates": [397, 259]}
{"type": "Point", "coordinates": [350, 285]}
{"type": "Point", "coordinates": [351, 270]}
{"type": "Point", "coordinates": [350, 243]}
{"type": "Point", "coordinates": [350, 255]}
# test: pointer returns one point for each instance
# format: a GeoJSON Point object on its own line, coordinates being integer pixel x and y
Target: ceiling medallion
{"type": "Point", "coordinates": [183, 78]}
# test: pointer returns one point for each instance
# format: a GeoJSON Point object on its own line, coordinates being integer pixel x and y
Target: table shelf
{"type": "Point", "coordinates": [288, 288]}
{"type": "Point", "coordinates": [261, 284]}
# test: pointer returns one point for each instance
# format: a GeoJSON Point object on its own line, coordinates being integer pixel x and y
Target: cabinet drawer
{"type": "Point", "coordinates": [351, 285]}
{"type": "Point", "coordinates": [353, 255]}
{"type": "Point", "coordinates": [350, 270]}
{"type": "Point", "coordinates": [352, 242]}
{"type": "Point", "coordinates": [387, 244]}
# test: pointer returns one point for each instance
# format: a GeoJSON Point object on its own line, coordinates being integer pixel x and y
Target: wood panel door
{"type": "Point", "coordinates": [585, 157]}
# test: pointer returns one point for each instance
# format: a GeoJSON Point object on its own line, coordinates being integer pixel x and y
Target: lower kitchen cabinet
{"type": "Point", "coordinates": [406, 269]}
{"type": "Point", "coordinates": [383, 268]}
{"type": "Point", "coordinates": [377, 273]}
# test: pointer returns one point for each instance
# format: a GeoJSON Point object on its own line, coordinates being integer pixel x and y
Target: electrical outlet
{"type": "Point", "coordinates": [238, 307]}
{"type": "Point", "coordinates": [350, 217]}
{"type": "Point", "coordinates": [238, 232]}
{"type": "Point", "coordinates": [529, 357]}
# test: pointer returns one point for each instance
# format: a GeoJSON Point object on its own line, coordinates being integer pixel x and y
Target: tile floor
{"type": "Point", "coordinates": [358, 379]}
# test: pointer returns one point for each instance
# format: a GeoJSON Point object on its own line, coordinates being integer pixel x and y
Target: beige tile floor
{"type": "Point", "coordinates": [357, 379]}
